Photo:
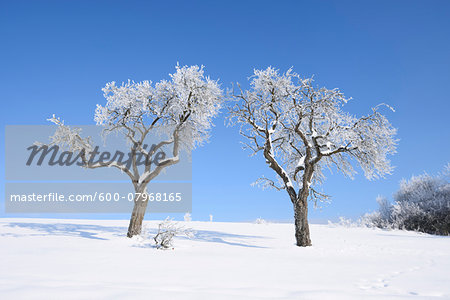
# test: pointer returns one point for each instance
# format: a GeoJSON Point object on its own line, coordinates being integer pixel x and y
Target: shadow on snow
{"type": "Point", "coordinates": [63, 229]}
{"type": "Point", "coordinates": [97, 231]}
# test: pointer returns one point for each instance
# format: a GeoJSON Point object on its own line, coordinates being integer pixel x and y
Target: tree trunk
{"type": "Point", "coordinates": [137, 216]}
{"type": "Point", "coordinates": [301, 221]}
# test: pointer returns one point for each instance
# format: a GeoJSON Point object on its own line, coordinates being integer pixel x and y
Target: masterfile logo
{"type": "Point", "coordinates": [46, 178]}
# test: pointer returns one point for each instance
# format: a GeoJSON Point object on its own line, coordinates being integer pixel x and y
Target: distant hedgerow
{"type": "Point", "coordinates": [421, 204]}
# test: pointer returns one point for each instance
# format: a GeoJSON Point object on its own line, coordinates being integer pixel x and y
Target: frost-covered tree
{"type": "Point", "coordinates": [180, 109]}
{"type": "Point", "coordinates": [301, 129]}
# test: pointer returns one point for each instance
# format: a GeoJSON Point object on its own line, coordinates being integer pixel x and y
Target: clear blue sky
{"type": "Point", "coordinates": [55, 57]}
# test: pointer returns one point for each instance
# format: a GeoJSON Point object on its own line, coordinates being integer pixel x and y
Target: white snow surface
{"type": "Point", "coordinates": [92, 259]}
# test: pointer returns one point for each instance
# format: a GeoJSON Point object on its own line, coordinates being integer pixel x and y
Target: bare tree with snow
{"type": "Point", "coordinates": [301, 129]}
{"type": "Point", "coordinates": [181, 108]}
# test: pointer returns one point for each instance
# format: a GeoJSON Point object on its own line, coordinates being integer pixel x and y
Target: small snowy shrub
{"type": "Point", "coordinates": [260, 221]}
{"type": "Point", "coordinates": [167, 230]}
{"type": "Point", "coordinates": [421, 204]}
{"type": "Point", "coordinates": [187, 217]}
{"type": "Point", "coordinates": [381, 218]}
{"type": "Point", "coordinates": [346, 222]}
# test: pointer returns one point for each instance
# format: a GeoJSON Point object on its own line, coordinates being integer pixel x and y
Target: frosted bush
{"type": "Point", "coordinates": [187, 217]}
{"type": "Point", "coordinates": [167, 230]}
{"type": "Point", "coordinates": [260, 221]}
{"type": "Point", "coordinates": [421, 204]}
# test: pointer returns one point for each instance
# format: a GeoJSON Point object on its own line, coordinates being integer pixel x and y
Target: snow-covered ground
{"type": "Point", "coordinates": [91, 259]}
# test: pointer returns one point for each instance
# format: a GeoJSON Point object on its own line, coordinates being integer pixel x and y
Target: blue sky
{"type": "Point", "coordinates": [55, 57]}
